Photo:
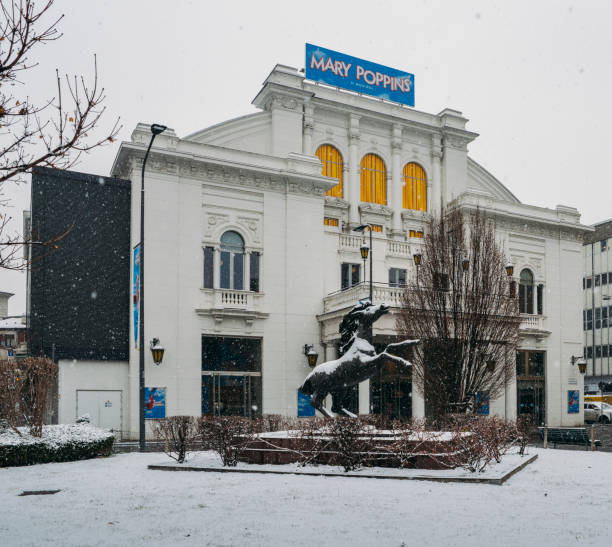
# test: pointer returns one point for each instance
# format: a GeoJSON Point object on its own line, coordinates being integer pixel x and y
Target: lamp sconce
{"type": "Point", "coordinates": [417, 257]}
{"type": "Point", "coordinates": [311, 355]}
{"type": "Point", "coordinates": [581, 362]}
{"type": "Point", "coordinates": [364, 250]}
{"type": "Point", "coordinates": [157, 350]}
{"type": "Point", "coordinates": [510, 269]}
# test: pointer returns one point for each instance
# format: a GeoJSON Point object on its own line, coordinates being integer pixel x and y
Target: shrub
{"type": "Point", "coordinates": [228, 436]}
{"type": "Point", "coordinates": [179, 435]}
{"type": "Point", "coordinates": [24, 392]}
{"type": "Point", "coordinates": [58, 443]}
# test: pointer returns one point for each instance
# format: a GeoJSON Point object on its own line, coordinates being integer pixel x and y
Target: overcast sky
{"type": "Point", "coordinates": [533, 78]}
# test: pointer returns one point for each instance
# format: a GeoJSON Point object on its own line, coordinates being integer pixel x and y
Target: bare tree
{"type": "Point", "coordinates": [462, 310]}
{"type": "Point", "coordinates": [25, 388]}
{"type": "Point", "coordinates": [52, 134]}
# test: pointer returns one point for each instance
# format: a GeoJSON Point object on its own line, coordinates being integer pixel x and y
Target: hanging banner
{"type": "Point", "coordinates": [340, 70]}
{"type": "Point", "coordinates": [304, 408]}
{"type": "Point", "coordinates": [573, 401]}
{"type": "Point", "coordinates": [155, 403]}
{"type": "Point", "coordinates": [136, 293]}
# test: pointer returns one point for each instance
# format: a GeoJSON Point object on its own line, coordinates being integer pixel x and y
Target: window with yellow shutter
{"type": "Point", "coordinates": [373, 180]}
{"type": "Point", "coordinates": [332, 167]}
{"type": "Point", "coordinates": [414, 192]}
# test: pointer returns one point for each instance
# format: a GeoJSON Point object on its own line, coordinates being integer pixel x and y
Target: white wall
{"type": "Point", "coordinates": [77, 375]}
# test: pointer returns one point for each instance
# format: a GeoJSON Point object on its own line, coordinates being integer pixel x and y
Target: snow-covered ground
{"type": "Point", "coordinates": [564, 497]}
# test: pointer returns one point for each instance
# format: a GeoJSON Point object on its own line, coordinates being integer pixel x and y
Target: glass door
{"type": "Point", "coordinates": [231, 394]}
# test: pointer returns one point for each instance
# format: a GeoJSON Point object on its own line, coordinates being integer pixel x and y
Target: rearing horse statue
{"type": "Point", "coordinates": [359, 360]}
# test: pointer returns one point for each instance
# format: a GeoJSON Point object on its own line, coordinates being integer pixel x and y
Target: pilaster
{"type": "Point", "coordinates": [353, 196]}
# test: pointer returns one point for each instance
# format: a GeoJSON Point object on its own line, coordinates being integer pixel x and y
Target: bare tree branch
{"type": "Point", "coordinates": [54, 134]}
{"type": "Point", "coordinates": [463, 314]}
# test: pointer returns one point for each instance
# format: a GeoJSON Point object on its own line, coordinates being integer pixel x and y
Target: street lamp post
{"type": "Point", "coordinates": [156, 129]}
{"type": "Point", "coordinates": [364, 254]}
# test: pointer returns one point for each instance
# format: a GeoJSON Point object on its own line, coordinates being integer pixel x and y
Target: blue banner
{"type": "Point", "coordinates": [136, 293]}
{"type": "Point", "coordinates": [573, 401]}
{"type": "Point", "coordinates": [482, 403]}
{"type": "Point", "coordinates": [304, 408]}
{"type": "Point", "coordinates": [155, 402]}
{"type": "Point", "coordinates": [340, 70]}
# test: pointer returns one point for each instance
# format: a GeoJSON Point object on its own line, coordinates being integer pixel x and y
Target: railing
{"type": "Point", "coordinates": [230, 299]}
{"type": "Point", "coordinates": [349, 241]}
{"type": "Point", "coordinates": [533, 322]}
{"type": "Point", "coordinates": [381, 293]}
{"type": "Point", "coordinates": [399, 248]}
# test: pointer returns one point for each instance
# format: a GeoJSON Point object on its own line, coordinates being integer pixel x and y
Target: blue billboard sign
{"type": "Point", "coordinates": [340, 70]}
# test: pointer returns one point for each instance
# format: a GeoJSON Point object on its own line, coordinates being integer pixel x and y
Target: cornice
{"type": "Point", "coordinates": [285, 179]}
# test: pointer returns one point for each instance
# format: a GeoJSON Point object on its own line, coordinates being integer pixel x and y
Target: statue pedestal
{"type": "Point", "coordinates": [428, 450]}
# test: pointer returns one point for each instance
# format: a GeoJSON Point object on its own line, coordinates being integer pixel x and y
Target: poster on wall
{"type": "Point", "coordinates": [136, 293]}
{"type": "Point", "coordinates": [155, 403]}
{"type": "Point", "coordinates": [341, 70]}
{"type": "Point", "coordinates": [305, 409]}
{"type": "Point", "coordinates": [482, 404]}
{"type": "Point", "coordinates": [573, 401]}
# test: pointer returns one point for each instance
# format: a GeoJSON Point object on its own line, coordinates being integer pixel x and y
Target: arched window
{"type": "Point", "coordinates": [526, 292]}
{"type": "Point", "coordinates": [332, 167]}
{"type": "Point", "coordinates": [414, 193]}
{"type": "Point", "coordinates": [232, 261]}
{"type": "Point", "coordinates": [373, 179]}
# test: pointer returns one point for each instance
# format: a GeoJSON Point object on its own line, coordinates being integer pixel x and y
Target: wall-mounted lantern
{"type": "Point", "coordinates": [311, 355]}
{"type": "Point", "coordinates": [581, 362]}
{"type": "Point", "coordinates": [157, 350]}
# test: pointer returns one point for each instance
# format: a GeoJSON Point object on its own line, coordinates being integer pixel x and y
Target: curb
{"type": "Point", "coordinates": [498, 481]}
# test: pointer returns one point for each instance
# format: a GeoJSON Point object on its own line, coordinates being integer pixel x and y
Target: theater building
{"type": "Point", "coordinates": [251, 254]}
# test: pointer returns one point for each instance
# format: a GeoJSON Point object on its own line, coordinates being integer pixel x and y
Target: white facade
{"type": "Point", "coordinates": [258, 176]}
{"type": "Point", "coordinates": [597, 303]}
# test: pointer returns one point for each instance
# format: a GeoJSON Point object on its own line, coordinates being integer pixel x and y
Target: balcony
{"type": "Point", "coordinates": [221, 303]}
{"type": "Point", "coordinates": [533, 325]}
{"type": "Point", "coordinates": [349, 297]}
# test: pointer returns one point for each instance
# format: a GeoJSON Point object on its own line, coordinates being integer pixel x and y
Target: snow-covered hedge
{"type": "Point", "coordinates": [59, 443]}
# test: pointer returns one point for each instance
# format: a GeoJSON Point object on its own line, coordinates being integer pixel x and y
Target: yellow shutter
{"type": "Point", "coordinates": [373, 179]}
{"type": "Point", "coordinates": [332, 167]}
{"type": "Point", "coordinates": [414, 193]}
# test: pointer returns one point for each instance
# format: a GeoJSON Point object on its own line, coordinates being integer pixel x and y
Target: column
{"type": "Point", "coordinates": [418, 402]}
{"type": "Point", "coordinates": [354, 172]}
{"type": "Point", "coordinates": [216, 268]}
{"type": "Point", "coordinates": [396, 179]}
{"type": "Point", "coordinates": [308, 130]}
{"type": "Point", "coordinates": [364, 397]}
{"type": "Point", "coordinates": [435, 193]}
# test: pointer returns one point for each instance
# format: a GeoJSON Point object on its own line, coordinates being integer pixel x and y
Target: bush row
{"type": "Point", "coordinates": [468, 441]}
{"type": "Point", "coordinates": [57, 444]}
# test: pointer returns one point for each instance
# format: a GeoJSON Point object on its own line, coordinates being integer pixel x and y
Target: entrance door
{"type": "Point", "coordinates": [530, 384]}
{"type": "Point", "coordinates": [103, 407]}
{"type": "Point", "coordinates": [530, 396]}
{"type": "Point", "coordinates": [231, 376]}
{"type": "Point", "coordinates": [231, 394]}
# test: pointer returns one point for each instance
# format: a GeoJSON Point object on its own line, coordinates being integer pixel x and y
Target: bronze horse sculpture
{"type": "Point", "coordinates": [358, 362]}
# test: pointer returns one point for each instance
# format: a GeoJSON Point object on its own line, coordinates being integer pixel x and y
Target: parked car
{"type": "Point", "coordinates": [595, 411]}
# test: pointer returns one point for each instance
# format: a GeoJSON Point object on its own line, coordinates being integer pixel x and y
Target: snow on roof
{"type": "Point", "coordinates": [12, 323]}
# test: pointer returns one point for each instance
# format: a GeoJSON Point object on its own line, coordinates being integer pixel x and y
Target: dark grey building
{"type": "Point", "coordinates": [79, 285]}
